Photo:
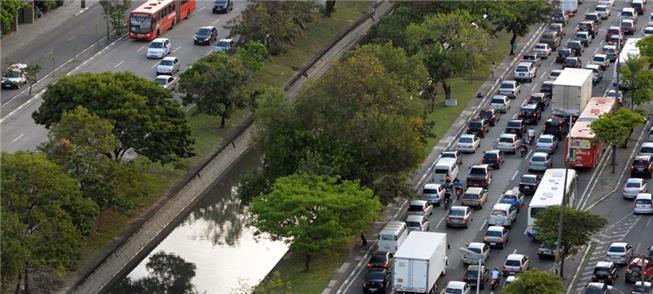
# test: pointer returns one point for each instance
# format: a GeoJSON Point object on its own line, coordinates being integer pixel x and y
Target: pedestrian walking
{"type": "Point", "coordinates": [493, 69]}
{"type": "Point", "coordinates": [363, 239]}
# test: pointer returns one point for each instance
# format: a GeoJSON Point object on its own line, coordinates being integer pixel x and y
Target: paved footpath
{"type": "Point", "coordinates": [347, 273]}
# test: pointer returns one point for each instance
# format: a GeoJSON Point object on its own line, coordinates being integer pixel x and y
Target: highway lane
{"type": "Point", "coordinates": [508, 176]}
{"type": "Point", "coordinates": [19, 132]}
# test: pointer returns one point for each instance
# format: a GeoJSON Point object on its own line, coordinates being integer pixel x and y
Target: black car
{"type": "Point", "coordinates": [376, 281]}
{"type": "Point", "coordinates": [588, 26]}
{"type": "Point", "coordinates": [573, 62]}
{"type": "Point", "coordinates": [540, 99]}
{"type": "Point", "coordinates": [563, 53]}
{"type": "Point", "coordinates": [642, 167]}
{"type": "Point", "coordinates": [605, 272]}
{"type": "Point", "coordinates": [528, 183]}
{"type": "Point", "coordinates": [490, 115]}
{"type": "Point", "coordinates": [493, 158]}
{"type": "Point", "coordinates": [471, 276]}
{"type": "Point", "coordinates": [597, 288]}
{"type": "Point", "coordinates": [380, 260]}
{"type": "Point", "coordinates": [223, 6]}
{"type": "Point", "coordinates": [556, 126]}
{"type": "Point", "coordinates": [560, 16]}
{"type": "Point", "coordinates": [478, 127]}
{"type": "Point", "coordinates": [530, 114]}
{"type": "Point", "coordinates": [547, 89]}
{"type": "Point", "coordinates": [577, 47]}
{"type": "Point", "coordinates": [517, 127]}
{"type": "Point", "coordinates": [205, 35]}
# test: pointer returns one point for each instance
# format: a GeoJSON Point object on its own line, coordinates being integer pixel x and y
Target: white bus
{"type": "Point", "coordinates": [629, 50]}
{"type": "Point", "coordinates": [393, 234]}
{"type": "Point", "coordinates": [550, 193]}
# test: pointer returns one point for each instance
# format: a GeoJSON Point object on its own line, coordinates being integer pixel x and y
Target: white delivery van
{"type": "Point", "coordinates": [419, 262]}
{"type": "Point", "coordinates": [503, 214]}
{"type": "Point", "coordinates": [445, 170]}
{"type": "Point", "coordinates": [393, 234]}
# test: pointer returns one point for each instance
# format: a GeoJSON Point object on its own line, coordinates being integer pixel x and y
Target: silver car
{"type": "Point", "coordinates": [547, 143]}
{"type": "Point", "coordinates": [540, 161]}
{"type": "Point", "coordinates": [168, 66]}
{"type": "Point", "coordinates": [620, 253]}
{"type": "Point", "coordinates": [418, 223]}
{"type": "Point", "coordinates": [508, 143]}
{"type": "Point", "coordinates": [634, 186]}
{"type": "Point", "coordinates": [500, 103]}
{"type": "Point", "coordinates": [420, 207]}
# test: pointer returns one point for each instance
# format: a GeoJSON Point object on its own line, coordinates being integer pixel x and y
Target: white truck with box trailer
{"type": "Point", "coordinates": [419, 262]}
{"type": "Point", "coordinates": [572, 89]}
{"type": "Point", "coordinates": [569, 6]}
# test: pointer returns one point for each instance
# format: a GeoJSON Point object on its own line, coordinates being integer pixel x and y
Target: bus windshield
{"type": "Point", "coordinates": [140, 24]}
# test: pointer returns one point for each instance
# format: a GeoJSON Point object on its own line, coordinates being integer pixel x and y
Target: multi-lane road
{"type": "Point", "coordinates": [622, 224]}
{"type": "Point", "coordinates": [19, 132]}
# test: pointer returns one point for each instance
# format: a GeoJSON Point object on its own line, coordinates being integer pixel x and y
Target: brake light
{"type": "Point", "coordinates": [632, 167]}
{"type": "Point", "coordinates": [369, 265]}
{"type": "Point", "coordinates": [364, 284]}
{"type": "Point", "coordinates": [449, 218]}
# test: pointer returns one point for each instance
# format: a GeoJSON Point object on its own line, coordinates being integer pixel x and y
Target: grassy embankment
{"type": "Point", "coordinates": [205, 128]}
{"type": "Point", "coordinates": [323, 267]}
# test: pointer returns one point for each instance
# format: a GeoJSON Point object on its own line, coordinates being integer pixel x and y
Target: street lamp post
{"type": "Point", "coordinates": [480, 263]}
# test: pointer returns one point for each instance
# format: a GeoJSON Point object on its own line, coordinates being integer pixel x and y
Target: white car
{"type": "Point", "coordinates": [478, 247]}
{"type": "Point", "coordinates": [224, 45]}
{"type": "Point", "coordinates": [547, 143]}
{"type": "Point", "coordinates": [643, 204]}
{"type": "Point", "coordinates": [508, 143]}
{"type": "Point", "coordinates": [603, 11]}
{"type": "Point", "coordinates": [159, 48]}
{"type": "Point", "coordinates": [543, 50]}
{"type": "Point", "coordinates": [601, 60]}
{"type": "Point", "coordinates": [168, 66]}
{"type": "Point", "coordinates": [168, 82]}
{"type": "Point", "coordinates": [468, 143]}
{"type": "Point", "coordinates": [554, 74]}
{"type": "Point", "coordinates": [14, 76]}
{"type": "Point", "coordinates": [525, 71]}
{"type": "Point", "coordinates": [646, 149]}
{"type": "Point", "coordinates": [633, 187]}
{"type": "Point", "coordinates": [620, 252]}
{"type": "Point", "coordinates": [615, 95]}
{"type": "Point", "coordinates": [509, 88]}
{"type": "Point", "coordinates": [516, 263]}
{"type": "Point", "coordinates": [597, 72]}
{"type": "Point", "coordinates": [418, 223]}
{"type": "Point", "coordinates": [457, 287]}
{"type": "Point", "coordinates": [608, 3]}
{"type": "Point", "coordinates": [500, 103]}
{"type": "Point", "coordinates": [648, 31]}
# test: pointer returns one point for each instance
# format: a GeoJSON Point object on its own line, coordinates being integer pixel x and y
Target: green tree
{"type": "Point", "coordinates": [645, 46]}
{"type": "Point", "coordinates": [8, 10]}
{"type": "Point", "coordinates": [577, 229]}
{"type": "Point", "coordinates": [615, 127]}
{"type": "Point", "coordinates": [277, 24]}
{"type": "Point", "coordinates": [637, 79]}
{"type": "Point", "coordinates": [32, 75]}
{"type": "Point", "coordinates": [44, 216]}
{"type": "Point", "coordinates": [273, 284]}
{"type": "Point", "coordinates": [314, 214]}
{"type": "Point", "coordinates": [145, 117]}
{"type": "Point", "coordinates": [450, 45]}
{"type": "Point", "coordinates": [535, 282]}
{"type": "Point", "coordinates": [216, 84]}
{"type": "Point", "coordinates": [252, 54]}
{"type": "Point", "coordinates": [81, 143]}
{"type": "Point", "coordinates": [516, 17]}
{"type": "Point", "coordinates": [115, 13]}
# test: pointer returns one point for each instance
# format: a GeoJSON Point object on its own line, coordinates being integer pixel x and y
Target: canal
{"type": "Point", "coordinates": [212, 250]}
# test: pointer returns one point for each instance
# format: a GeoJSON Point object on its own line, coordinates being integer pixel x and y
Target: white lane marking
{"type": "Point", "coordinates": [18, 138]}
{"type": "Point", "coordinates": [482, 226]}
{"type": "Point", "coordinates": [526, 231]}
{"type": "Point", "coordinates": [201, 9]}
{"type": "Point", "coordinates": [514, 251]}
{"type": "Point", "coordinates": [648, 222]}
{"type": "Point", "coordinates": [217, 20]}
{"type": "Point", "coordinates": [529, 153]}
{"type": "Point", "coordinates": [514, 175]}
{"type": "Point", "coordinates": [533, 88]}
{"type": "Point", "coordinates": [596, 50]}
{"type": "Point", "coordinates": [552, 62]}
{"type": "Point", "coordinates": [154, 65]}
{"type": "Point", "coordinates": [139, 49]}
{"type": "Point", "coordinates": [20, 108]}
{"type": "Point", "coordinates": [173, 51]}
{"type": "Point", "coordinates": [542, 76]}
{"type": "Point", "coordinates": [119, 63]}
{"type": "Point", "coordinates": [440, 222]}
{"type": "Point", "coordinates": [207, 53]}
{"type": "Point", "coordinates": [637, 247]}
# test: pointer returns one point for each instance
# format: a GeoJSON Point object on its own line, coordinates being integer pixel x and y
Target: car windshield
{"type": "Point", "coordinates": [430, 191]}
{"type": "Point", "coordinates": [545, 140]}
{"type": "Point", "coordinates": [475, 124]}
{"type": "Point", "coordinates": [375, 276]}
{"type": "Point", "coordinates": [514, 124]}
{"type": "Point", "coordinates": [453, 291]}
{"type": "Point", "coordinates": [536, 210]}
{"type": "Point", "coordinates": [167, 62]}
{"type": "Point", "coordinates": [413, 224]}
{"type": "Point", "coordinates": [477, 171]}
{"type": "Point", "coordinates": [505, 140]}
{"type": "Point", "coordinates": [646, 149]}
{"type": "Point", "coordinates": [416, 208]}
{"type": "Point", "coordinates": [161, 81]}
{"type": "Point", "coordinates": [471, 273]}
{"type": "Point", "coordinates": [475, 249]}
{"type": "Point", "coordinates": [221, 2]}
{"type": "Point", "coordinates": [441, 171]}
{"type": "Point", "coordinates": [540, 46]}
{"type": "Point", "coordinates": [204, 32]}
{"type": "Point", "coordinates": [528, 180]}
{"type": "Point", "coordinates": [470, 196]}
{"type": "Point", "coordinates": [642, 201]}
{"type": "Point", "coordinates": [494, 233]}
{"type": "Point", "coordinates": [456, 212]}
{"type": "Point", "coordinates": [490, 156]}
{"type": "Point", "coordinates": [223, 44]}
{"type": "Point", "coordinates": [140, 24]}
{"type": "Point", "coordinates": [498, 213]}
{"type": "Point", "coordinates": [593, 290]}
{"type": "Point", "coordinates": [497, 101]}
{"type": "Point", "coordinates": [640, 162]}
{"type": "Point", "coordinates": [511, 262]}
{"type": "Point", "coordinates": [12, 74]}
{"type": "Point", "coordinates": [601, 8]}
{"type": "Point", "coordinates": [613, 31]}
{"type": "Point", "coordinates": [617, 249]}
{"type": "Point", "coordinates": [156, 45]}
{"type": "Point", "coordinates": [485, 113]}
{"type": "Point", "coordinates": [509, 197]}
{"type": "Point", "coordinates": [601, 271]}
{"type": "Point", "coordinates": [554, 73]}
{"type": "Point", "coordinates": [529, 57]}
{"type": "Point", "coordinates": [599, 59]}
{"type": "Point", "coordinates": [506, 86]}
{"type": "Point", "coordinates": [448, 155]}
{"type": "Point", "coordinates": [378, 258]}
{"type": "Point", "coordinates": [466, 140]}
{"type": "Point", "coordinates": [581, 36]}
{"type": "Point", "coordinates": [538, 159]}
{"type": "Point", "coordinates": [522, 69]}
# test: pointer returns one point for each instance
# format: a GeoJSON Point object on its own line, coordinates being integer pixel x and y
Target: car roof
{"type": "Point", "coordinates": [647, 144]}
{"type": "Point", "coordinates": [547, 136]}
{"type": "Point", "coordinates": [500, 96]}
{"type": "Point", "coordinates": [459, 207]}
{"type": "Point", "coordinates": [618, 244]}
{"type": "Point", "coordinates": [474, 190]}
{"type": "Point", "coordinates": [480, 166]}
{"type": "Point", "coordinates": [467, 136]}
{"type": "Point", "coordinates": [226, 40]}
{"type": "Point", "coordinates": [635, 180]}
{"type": "Point", "coordinates": [495, 228]}
{"type": "Point", "coordinates": [163, 76]}
{"type": "Point", "coordinates": [533, 106]}
{"type": "Point", "coordinates": [456, 285]}
{"type": "Point", "coordinates": [601, 55]}
{"type": "Point", "coordinates": [493, 151]}
{"type": "Point", "coordinates": [547, 82]}
{"type": "Point", "coordinates": [417, 202]}
{"type": "Point", "coordinates": [169, 58]}
{"type": "Point", "coordinates": [414, 218]}
{"type": "Point", "coordinates": [604, 264]}
{"type": "Point", "coordinates": [160, 40]}
{"type": "Point", "coordinates": [476, 245]}
{"type": "Point", "coordinates": [644, 196]}
{"type": "Point", "coordinates": [515, 256]}
{"type": "Point", "coordinates": [540, 154]}
{"type": "Point", "coordinates": [529, 176]}
{"type": "Point", "coordinates": [502, 206]}
{"type": "Point", "coordinates": [506, 135]}
{"type": "Point", "coordinates": [525, 64]}
{"type": "Point", "coordinates": [508, 81]}
{"type": "Point", "coordinates": [431, 186]}
{"type": "Point", "coordinates": [207, 27]}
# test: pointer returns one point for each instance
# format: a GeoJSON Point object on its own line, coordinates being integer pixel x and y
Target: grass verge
{"type": "Point", "coordinates": [205, 128]}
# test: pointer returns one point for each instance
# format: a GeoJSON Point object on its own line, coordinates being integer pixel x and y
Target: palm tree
{"type": "Point", "coordinates": [632, 80]}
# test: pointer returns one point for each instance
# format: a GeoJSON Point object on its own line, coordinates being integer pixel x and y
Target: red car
{"type": "Point", "coordinates": [613, 31]}
{"type": "Point", "coordinates": [634, 270]}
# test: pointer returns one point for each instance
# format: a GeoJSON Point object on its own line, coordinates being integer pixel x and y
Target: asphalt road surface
{"type": "Point", "coordinates": [623, 225]}
{"type": "Point", "coordinates": [18, 130]}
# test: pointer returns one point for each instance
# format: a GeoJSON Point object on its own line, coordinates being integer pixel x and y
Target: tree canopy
{"type": "Point", "coordinates": [577, 229]}
{"type": "Point", "coordinates": [314, 214]}
{"type": "Point", "coordinates": [252, 54]}
{"type": "Point", "coordinates": [8, 10]}
{"type": "Point", "coordinates": [535, 282]}
{"type": "Point", "coordinates": [638, 79]}
{"type": "Point", "coordinates": [516, 16]}
{"type": "Point", "coordinates": [615, 127]}
{"type": "Point", "coordinates": [44, 216]}
{"type": "Point", "coordinates": [451, 46]}
{"type": "Point", "coordinates": [216, 84]}
{"type": "Point", "coordinates": [145, 118]}
{"type": "Point", "coordinates": [645, 46]}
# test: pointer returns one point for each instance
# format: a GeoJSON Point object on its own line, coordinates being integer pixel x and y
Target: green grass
{"type": "Point", "coordinates": [464, 90]}
{"type": "Point", "coordinates": [205, 128]}
{"type": "Point", "coordinates": [316, 279]}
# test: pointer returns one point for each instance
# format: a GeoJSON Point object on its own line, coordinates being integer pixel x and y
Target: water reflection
{"type": "Point", "coordinates": [215, 239]}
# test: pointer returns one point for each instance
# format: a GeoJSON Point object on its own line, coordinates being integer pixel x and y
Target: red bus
{"type": "Point", "coordinates": [581, 149]}
{"type": "Point", "coordinates": [154, 17]}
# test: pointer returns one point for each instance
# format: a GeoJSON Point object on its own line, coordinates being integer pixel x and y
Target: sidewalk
{"type": "Point", "coordinates": [28, 32]}
{"type": "Point", "coordinates": [358, 256]}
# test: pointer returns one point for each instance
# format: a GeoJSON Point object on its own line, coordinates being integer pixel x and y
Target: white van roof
{"type": "Point", "coordinates": [431, 186]}
{"type": "Point", "coordinates": [502, 206]}
{"type": "Point", "coordinates": [445, 161]}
